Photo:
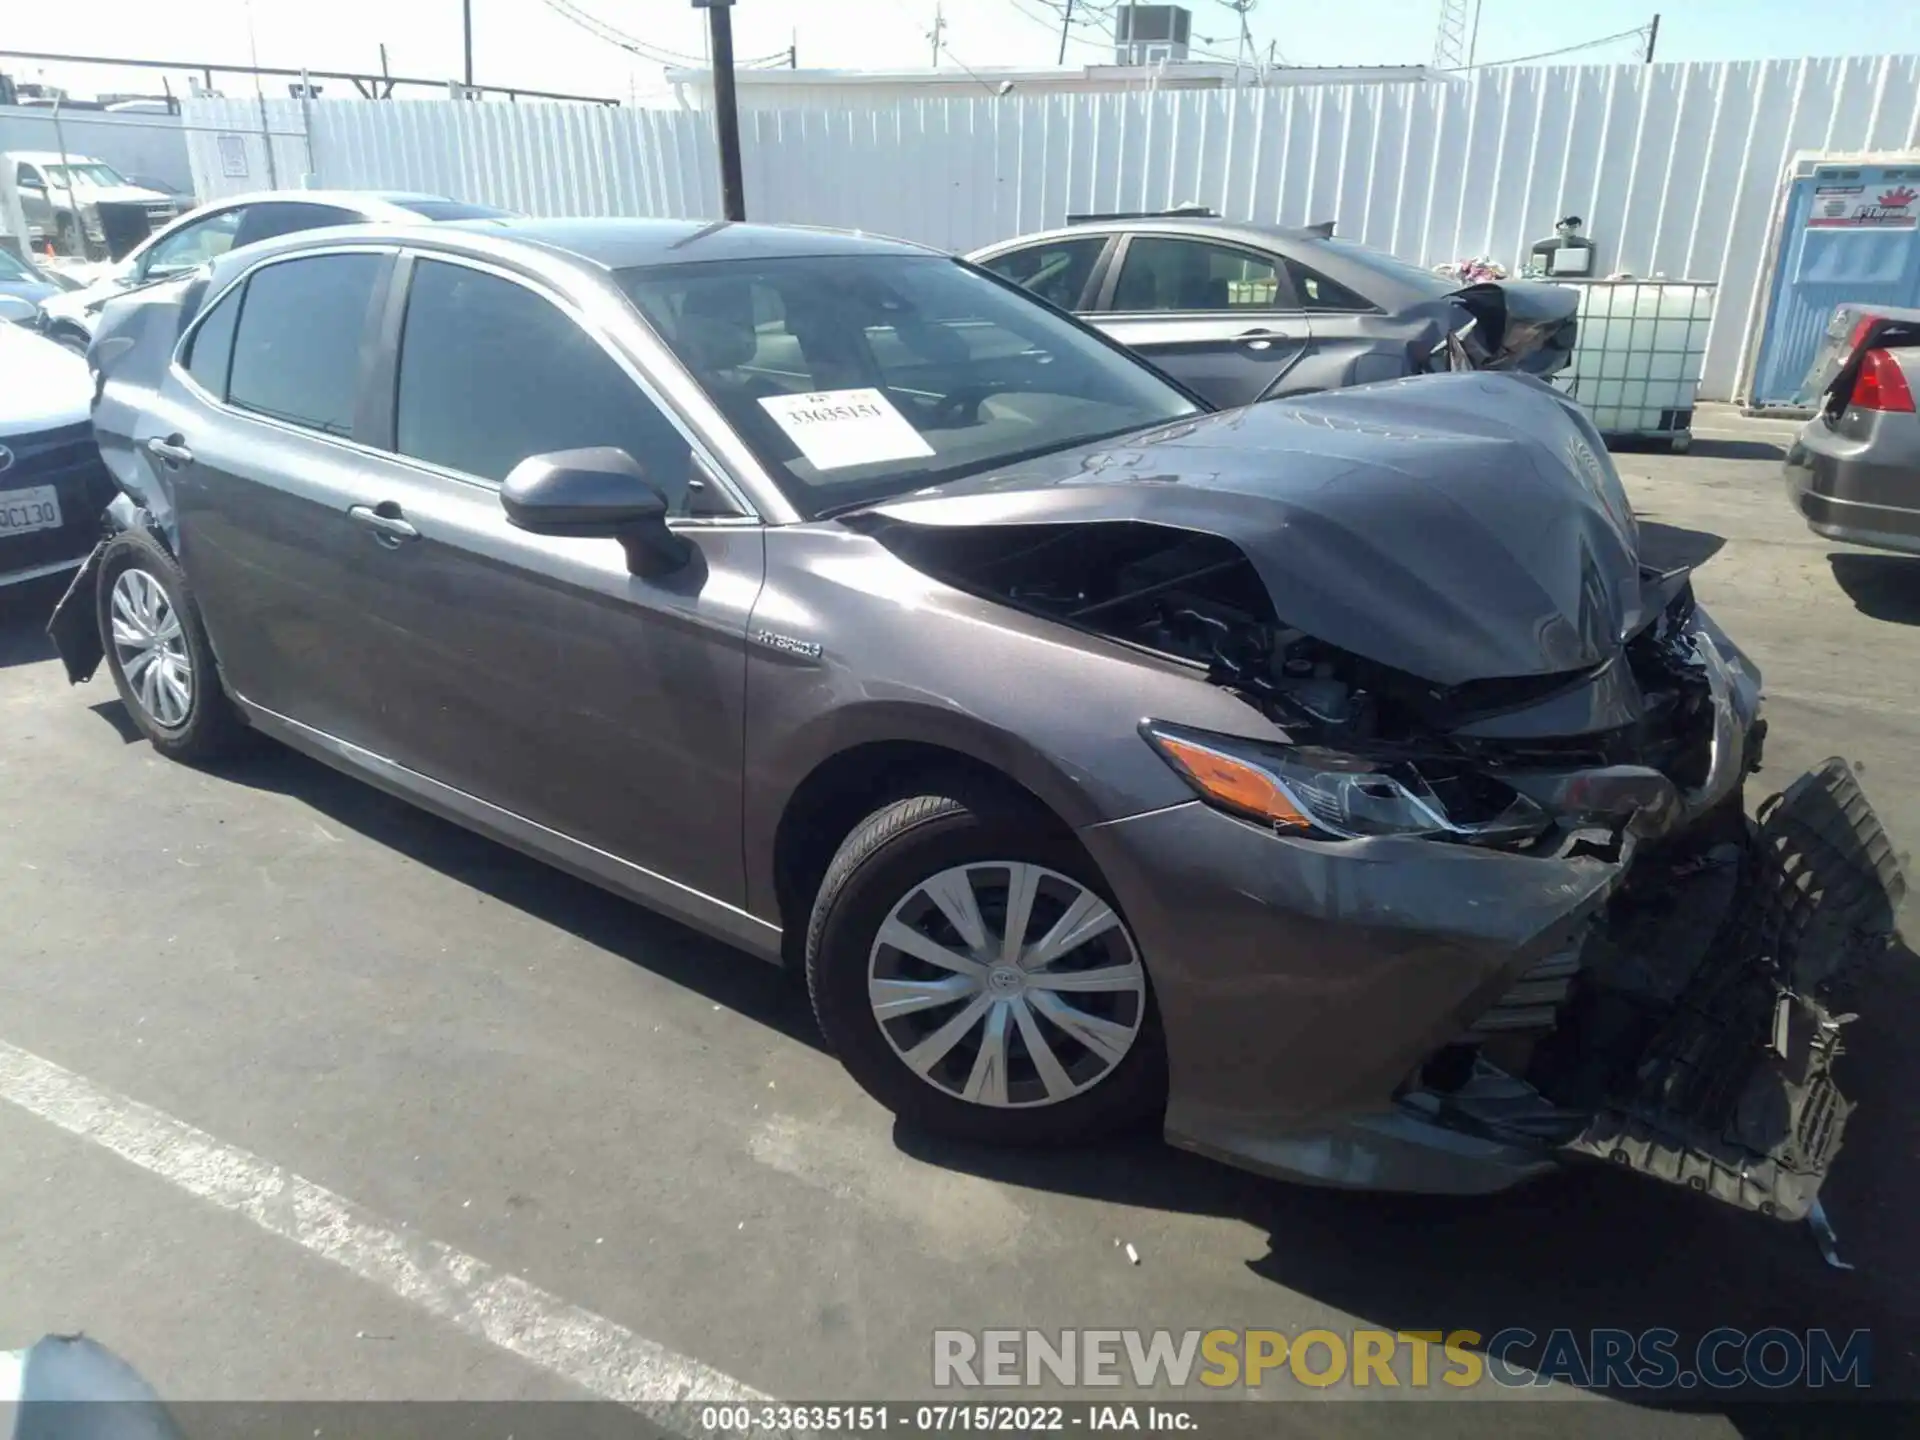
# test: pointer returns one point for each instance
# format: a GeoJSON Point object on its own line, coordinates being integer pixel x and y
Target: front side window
{"type": "Point", "coordinates": [296, 350]}
{"type": "Point", "coordinates": [856, 377]}
{"type": "Point", "coordinates": [25, 175]}
{"type": "Point", "coordinates": [1159, 272]}
{"type": "Point", "coordinates": [1057, 271]}
{"type": "Point", "coordinates": [192, 246]}
{"type": "Point", "coordinates": [491, 373]}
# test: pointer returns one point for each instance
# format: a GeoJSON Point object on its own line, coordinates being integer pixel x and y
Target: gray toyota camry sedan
{"type": "Point", "coordinates": [1331, 782]}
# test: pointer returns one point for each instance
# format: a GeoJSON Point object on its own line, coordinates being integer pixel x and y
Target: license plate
{"type": "Point", "coordinates": [24, 511]}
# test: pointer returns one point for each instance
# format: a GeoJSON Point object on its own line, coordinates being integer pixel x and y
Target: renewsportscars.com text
{"type": "Point", "coordinates": [1656, 1359]}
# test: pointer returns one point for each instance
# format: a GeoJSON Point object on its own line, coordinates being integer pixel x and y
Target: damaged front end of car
{"type": "Point", "coordinates": [1577, 710]}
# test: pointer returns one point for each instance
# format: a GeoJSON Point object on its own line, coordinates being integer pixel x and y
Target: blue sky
{"type": "Point", "coordinates": [528, 42]}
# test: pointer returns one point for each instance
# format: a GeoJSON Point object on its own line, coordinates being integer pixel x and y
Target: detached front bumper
{"type": "Point", "coordinates": [1404, 1014]}
{"type": "Point", "coordinates": [1300, 983]}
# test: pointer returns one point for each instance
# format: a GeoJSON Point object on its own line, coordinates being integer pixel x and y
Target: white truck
{"type": "Point", "coordinates": [59, 199]}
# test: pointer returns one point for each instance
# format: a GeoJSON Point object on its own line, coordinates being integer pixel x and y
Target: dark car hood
{"type": "Point", "coordinates": [1456, 527]}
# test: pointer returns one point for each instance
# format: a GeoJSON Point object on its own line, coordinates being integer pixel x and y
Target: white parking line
{"type": "Point", "coordinates": [589, 1350]}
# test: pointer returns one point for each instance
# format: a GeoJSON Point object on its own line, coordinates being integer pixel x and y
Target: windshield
{"type": "Point", "coordinates": [84, 172]}
{"type": "Point", "coordinates": [859, 377]}
{"type": "Point", "coordinates": [12, 268]}
{"type": "Point", "coordinates": [1427, 282]}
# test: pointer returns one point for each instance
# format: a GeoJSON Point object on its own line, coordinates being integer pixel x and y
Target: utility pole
{"type": "Point", "coordinates": [1065, 20]}
{"type": "Point", "coordinates": [1653, 38]}
{"type": "Point", "coordinates": [466, 35]}
{"type": "Point", "coordinates": [726, 106]}
{"type": "Point", "coordinates": [793, 48]}
{"type": "Point", "coordinates": [939, 27]}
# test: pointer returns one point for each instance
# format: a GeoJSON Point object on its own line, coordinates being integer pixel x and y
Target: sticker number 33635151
{"type": "Point", "coordinates": [838, 428]}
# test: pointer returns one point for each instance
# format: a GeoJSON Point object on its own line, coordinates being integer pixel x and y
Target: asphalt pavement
{"type": "Point", "coordinates": [315, 1097]}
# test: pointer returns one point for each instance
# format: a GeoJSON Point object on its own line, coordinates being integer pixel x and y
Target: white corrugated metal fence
{"type": "Point", "coordinates": [1675, 168]}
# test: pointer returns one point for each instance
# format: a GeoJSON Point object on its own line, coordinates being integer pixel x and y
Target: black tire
{"type": "Point", "coordinates": [889, 853]}
{"type": "Point", "coordinates": [211, 728]}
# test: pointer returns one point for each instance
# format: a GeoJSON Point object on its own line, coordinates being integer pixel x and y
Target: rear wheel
{"type": "Point", "coordinates": [970, 969]}
{"type": "Point", "coordinates": [157, 651]}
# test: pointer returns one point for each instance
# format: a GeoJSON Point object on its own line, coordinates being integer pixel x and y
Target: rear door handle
{"type": "Point", "coordinates": [1259, 339]}
{"type": "Point", "coordinates": [386, 522]}
{"type": "Point", "coordinates": [171, 450]}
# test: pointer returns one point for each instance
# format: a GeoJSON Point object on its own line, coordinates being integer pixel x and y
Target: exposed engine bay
{"type": "Point", "coordinates": [1196, 598]}
{"type": "Point", "coordinates": [1686, 1034]}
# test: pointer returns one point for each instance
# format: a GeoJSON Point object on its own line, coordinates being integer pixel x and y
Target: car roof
{"type": "Point", "coordinates": [373, 201]}
{"type": "Point", "coordinates": [1247, 232]}
{"type": "Point", "coordinates": [53, 157]}
{"type": "Point", "coordinates": [622, 243]}
{"type": "Point", "coordinates": [612, 243]}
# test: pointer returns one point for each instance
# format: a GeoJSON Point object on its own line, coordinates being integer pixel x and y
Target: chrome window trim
{"type": "Point", "coordinates": [710, 463]}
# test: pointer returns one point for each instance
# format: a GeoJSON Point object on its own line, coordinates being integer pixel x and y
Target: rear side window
{"type": "Point", "coordinates": [491, 373]}
{"type": "Point", "coordinates": [1057, 271]}
{"type": "Point", "coordinates": [296, 352]}
{"type": "Point", "coordinates": [211, 352]}
{"type": "Point", "coordinates": [284, 217]}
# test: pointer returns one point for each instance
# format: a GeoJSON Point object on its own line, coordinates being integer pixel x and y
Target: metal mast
{"type": "Point", "coordinates": [1453, 42]}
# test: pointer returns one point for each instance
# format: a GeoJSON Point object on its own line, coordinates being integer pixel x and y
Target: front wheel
{"type": "Point", "coordinates": [973, 974]}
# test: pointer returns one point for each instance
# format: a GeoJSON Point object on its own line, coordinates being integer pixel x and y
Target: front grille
{"type": "Point", "coordinates": [68, 460]}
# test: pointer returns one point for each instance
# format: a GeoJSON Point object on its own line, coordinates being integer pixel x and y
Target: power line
{"type": "Point", "coordinates": [1638, 32]}
{"type": "Point", "coordinates": [659, 54]}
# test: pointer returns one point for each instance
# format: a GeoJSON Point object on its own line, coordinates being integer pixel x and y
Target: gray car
{"type": "Point", "coordinates": [1854, 469]}
{"type": "Point", "coordinates": [1330, 782]}
{"type": "Point", "coordinates": [1241, 312]}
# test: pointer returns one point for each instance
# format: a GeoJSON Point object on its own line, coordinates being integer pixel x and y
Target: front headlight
{"type": "Point", "coordinates": [1313, 792]}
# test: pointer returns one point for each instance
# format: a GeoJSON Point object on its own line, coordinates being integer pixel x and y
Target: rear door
{"type": "Point", "coordinates": [254, 431]}
{"type": "Point", "coordinates": [1220, 318]}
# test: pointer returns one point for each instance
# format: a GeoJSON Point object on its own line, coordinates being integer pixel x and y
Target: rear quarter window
{"type": "Point", "coordinates": [210, 351]}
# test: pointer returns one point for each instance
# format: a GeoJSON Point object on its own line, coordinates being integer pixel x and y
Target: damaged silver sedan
{"type": "Point", "coordinates": [1328, 780]}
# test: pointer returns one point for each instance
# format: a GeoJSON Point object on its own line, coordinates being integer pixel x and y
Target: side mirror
{"type": "Point", "coordinates": [32, 187]}
{"type": "Point", "coordinates": [19, 311]}
{"type": "Point", "coordinates": [602, 492]}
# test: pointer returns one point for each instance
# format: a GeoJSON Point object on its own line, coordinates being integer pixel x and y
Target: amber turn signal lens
{"type": "Point", "coordinates": [1232, 782]}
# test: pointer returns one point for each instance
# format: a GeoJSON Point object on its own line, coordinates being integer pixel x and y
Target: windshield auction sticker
{"type": "Point", "coordinates": [838, 428]}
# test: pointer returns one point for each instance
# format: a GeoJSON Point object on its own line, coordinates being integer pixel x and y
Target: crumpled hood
{"type": "Point", "coordinates": [1456, 527]}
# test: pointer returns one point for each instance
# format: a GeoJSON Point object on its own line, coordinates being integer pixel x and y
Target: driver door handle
{"type": "Point", "coordinates": [386, 522]}
{"type": "Point", "coordinates": [171, 450]}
